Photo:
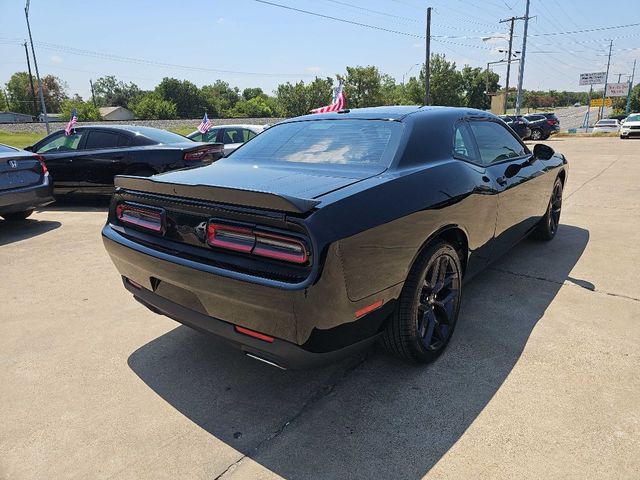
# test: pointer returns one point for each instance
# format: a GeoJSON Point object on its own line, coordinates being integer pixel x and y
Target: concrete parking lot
{"type": "Point", "coordinates": [541, 380]}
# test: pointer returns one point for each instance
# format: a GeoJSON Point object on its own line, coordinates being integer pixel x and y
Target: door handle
{"type": "Point", "coordinates": [502, 181]}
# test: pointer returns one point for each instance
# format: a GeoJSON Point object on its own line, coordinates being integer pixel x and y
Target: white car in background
{"type": "Point", "coordinates": [607, 125]}
{"type": "Point", "coordinates": [630, 126]}
{"type": "Point", "coordinates": [231, 135]}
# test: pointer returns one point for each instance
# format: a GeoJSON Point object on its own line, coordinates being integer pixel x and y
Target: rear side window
{"type": "Point", "coordinates": [345, 142]}
{"type": "Point", "coordinates": [98, 139]}
{"type": "Point", "coordinates": [495, 142]}
{"type": "Point", "coordinates": [463, 143]}
{"type": "Point", "coordinates": [533, 118]}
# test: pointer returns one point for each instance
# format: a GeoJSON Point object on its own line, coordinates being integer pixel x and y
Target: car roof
{"type": "Point", "coordinates": [397, 113]}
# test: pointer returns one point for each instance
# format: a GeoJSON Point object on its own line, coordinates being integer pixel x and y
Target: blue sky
{"type": "Point", "coordinates": [78, 40]}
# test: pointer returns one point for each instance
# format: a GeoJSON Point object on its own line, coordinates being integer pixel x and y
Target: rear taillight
{"type": "Point", "coordinates": [148, 218]}
{"type": "Point", "coordinates": [44, 165]}
{"type": "Point", "coordinates": [201, 153]}
{"type": "Point", "coordinates": [255, 242]}
{"type": "Point", "coordinates": [551, 122]}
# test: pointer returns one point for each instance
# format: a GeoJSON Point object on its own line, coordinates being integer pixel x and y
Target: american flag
{"type": "Point", "coordinates": [205, 125]}
{"type": "Point", "coordinates": [72, 122]}
{"type": "Point", "coordinates": [337, 103]}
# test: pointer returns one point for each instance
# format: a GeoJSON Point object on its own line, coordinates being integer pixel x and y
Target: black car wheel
{"type": "Point", "coordinates": [17, 216]}
{"type": "Point", "coordinates": [548, 225]}
{"type": "Point", "coordinates": [536, 134]}
{"type": "Point", "coordinates": [427, 311]}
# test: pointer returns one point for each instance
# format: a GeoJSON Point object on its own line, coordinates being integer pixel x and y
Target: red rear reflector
{"type": "Point", "coordinates": [232, 238]}
{"type": "Point", "coordinates": [254, 334]}
{"type": "Point", "coordinates": [147, 218]}
{"type": "Point", "coordinates": [368, 309]}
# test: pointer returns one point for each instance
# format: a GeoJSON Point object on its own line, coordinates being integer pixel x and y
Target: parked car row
{"type": "Point", "coordinates": [88, 160]}
{"type": "Point", "coordinates": [534, 126]}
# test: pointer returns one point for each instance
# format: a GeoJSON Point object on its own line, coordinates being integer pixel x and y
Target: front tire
{"type": "Point", "coordinates": [548, 226]}
{"type": "Point", "coordinates": [427, 311]}
{"type": "Point", "coordinates": [17, 216]}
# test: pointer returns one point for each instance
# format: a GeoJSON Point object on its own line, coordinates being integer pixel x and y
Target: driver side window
{"type": "Point", "coordinates": [495, 142]}
{"type": "Point", "coordinates": [61, 143]}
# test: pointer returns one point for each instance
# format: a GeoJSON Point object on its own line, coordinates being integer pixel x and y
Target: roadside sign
{"type": "Point", "coordinates": [597, 102]}
{"type": "Point", "coordinates": [617, 89]}
{"type": "Point", "coordinates": [593, 78]}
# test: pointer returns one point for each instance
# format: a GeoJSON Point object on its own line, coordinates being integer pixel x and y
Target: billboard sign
{"type": "Point", "coordinates": [596, 78]}
{"type": "Point", "coordinates": [617, 89]}
{"type": "Point", "coordinates": [597, 102]}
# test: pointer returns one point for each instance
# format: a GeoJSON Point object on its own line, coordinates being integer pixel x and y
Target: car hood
{"type": "Point", "coordinates": [631, 124]}
{"type": "Point", "coordinates": [287, 180]}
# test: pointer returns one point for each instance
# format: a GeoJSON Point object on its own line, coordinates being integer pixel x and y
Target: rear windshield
{"type": "Point", "coordinates": [353, 143]}
{"type": "Point", "coordinates": [160, 136]}
{"type": "Point", "coordinates": [606, 122]}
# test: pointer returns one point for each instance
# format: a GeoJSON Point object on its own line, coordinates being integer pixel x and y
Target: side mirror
{"type": "Point", "coordinates": [29, 148]}
{"type": "Point", "coordinates": [512, 170]}
{"type": "Point", "coordinates": [543, 152]}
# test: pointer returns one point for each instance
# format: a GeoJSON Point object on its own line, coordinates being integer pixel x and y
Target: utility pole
{"type": "Point", "coordinates": [522, 57]}
{"type": "Point", "coordinates": [93, 95]}
{"type": "Point", "coordinates": [627, 110]}
{"type": "Point", "coordinates": [606, 80]}
{"type": "Point", "coordinates": [506, 98]}
{"type": "Point", "coordinates": [35, 63]}
{"type": "Point", "coordinates": [427, 64]}
{"type": "Point", "coordinates": [33, 90]}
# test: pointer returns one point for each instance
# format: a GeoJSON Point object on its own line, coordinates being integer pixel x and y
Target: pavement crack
{"type": "Point", "coordinates": [592, 179]}
{"type": "Point", "coordinates": [569, 282]}
{"type": "Point", "coordinates": [328, 387]}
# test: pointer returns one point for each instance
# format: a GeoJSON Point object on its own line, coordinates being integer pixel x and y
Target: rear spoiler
{"type": "Point", "coordinates": [232, 196]}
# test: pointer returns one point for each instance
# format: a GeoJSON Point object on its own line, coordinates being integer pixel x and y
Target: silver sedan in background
{"type": "Point", "coordinates": [231, 135]}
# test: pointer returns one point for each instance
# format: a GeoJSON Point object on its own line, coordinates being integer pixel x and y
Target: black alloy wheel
{"type": "Point", "coordinates": [536, 134]}
{"type": "Point", "coordinates": [426, 316]}
{"type": "Point", "coordinates": [548, 226]}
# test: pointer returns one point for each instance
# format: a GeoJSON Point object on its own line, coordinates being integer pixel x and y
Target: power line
{"type": "Point", "coordinates": [588, 30]}
{"type": "Point", "coordinates": [346, 4]}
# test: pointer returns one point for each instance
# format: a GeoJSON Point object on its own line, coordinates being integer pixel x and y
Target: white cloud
{"type": "Point", "coordinates": [220, 20]}
{"type": "Point", "coordinates": [313, 69]}
{"type": "Point", "coordinates": [56, 59]}
{"type": "Point", "coordinates": [418, 45]}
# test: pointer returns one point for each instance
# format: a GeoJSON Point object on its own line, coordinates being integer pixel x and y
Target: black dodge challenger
{"type": "Point", "coordinates": [330, 231]}
{"type": "Point", "coordinates": [87, 160]}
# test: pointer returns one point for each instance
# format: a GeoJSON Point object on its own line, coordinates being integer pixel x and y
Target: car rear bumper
{"type": "Point", "coordinates": [21, 199]}
{"type": "Point", "coordinates": [311, 324]}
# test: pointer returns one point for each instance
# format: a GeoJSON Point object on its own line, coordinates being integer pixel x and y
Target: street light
{"type": "Point", "coordinates": [35, 62]}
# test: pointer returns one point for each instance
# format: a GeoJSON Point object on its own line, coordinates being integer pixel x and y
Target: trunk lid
{"type": "Point", "coordinates": [19, 170]}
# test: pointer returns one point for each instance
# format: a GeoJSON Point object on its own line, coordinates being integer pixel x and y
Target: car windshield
{"type": "Point", "coordinates": [355, 143]}
{"type": "Point", "coordinates": [606, 122]}
{"type": "Point", "coordinates": [632, 118]}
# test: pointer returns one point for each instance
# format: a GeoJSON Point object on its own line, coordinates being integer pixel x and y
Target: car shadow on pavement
{"type": "Point", "coordinates": [78, 203]}
{"type": "Point", "coordinates": [11, 232]}
{"type": "Point", "coordinates": [373, 415]}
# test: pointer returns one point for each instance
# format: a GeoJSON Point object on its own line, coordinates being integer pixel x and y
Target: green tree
{"type": "Point", "coordinates": [297, 98]}
{"type": "Point", "coordinates": [446, 86]}
{"type": "Point", "coordinates": [220, 98]}
{"type": "Point", "coordinates": [19, 93]}
{"type": "Point", "coordinates": [3, 100]}
{"type": "Point", "coordinates": [635, 99]}
{"type": "Point", "coordinates": [249, 93]}
{"type": "Point", "coordinates": [474, 84]}
{"type": "Point", "coordinates": [86, 111]}
{"type": "Point", "coordinates": [150, 106]}
{"type": "Point", "coordinates": [54, 91]}
{"type": "Point", "coordinates": [363, 86]}
{"type": "Point", "coordinates": [255, 107]}
{"type": "Point", "coordinates": [110, 92]}
{"type": "Point", "coordinates": [189, 100]}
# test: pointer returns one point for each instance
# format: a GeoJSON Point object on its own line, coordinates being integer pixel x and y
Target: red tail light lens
{"type": "Point", "coordinates": [262, 244]}
{"type": "Point", "coordinates": [148, 218]}
{"type": "Point", "coordinates": [551, 122]}
{"type": "Point", "coordinates": [280, 248]}
{"type": "Point", "coordinates": [201, 153]}
{"type": "Point", "coordinates": [44, 165]}
{"type": "Point", "coordinates": [231, 238]}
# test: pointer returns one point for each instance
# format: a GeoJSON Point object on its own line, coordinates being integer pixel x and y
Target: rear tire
{"type": "Point", "coordinates": [548, 226]}
{"type": "Point", "coordinates": [17, 216]}
{"type": "Point", "coordinates": [536, 134]}
{"type": "Point", "coordinates": [427, 311]}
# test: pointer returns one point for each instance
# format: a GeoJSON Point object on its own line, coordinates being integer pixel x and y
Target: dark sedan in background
{"type": "Point", "coordinates": [24, 183]}
{"type": "Point", "coordinates": [329, 231]}
{"type": "Point", "coordinates": [87, 160]}
{"type": "Point", "coordinates": [519, 124]}
{"type": "Point", "coordinates": [543, 125]}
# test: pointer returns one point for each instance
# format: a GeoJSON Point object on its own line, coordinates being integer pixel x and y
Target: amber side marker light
{"type": "Point", "coordinates": [254, 334]}
{"type": "Point", "coordinates": [369, 308]}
